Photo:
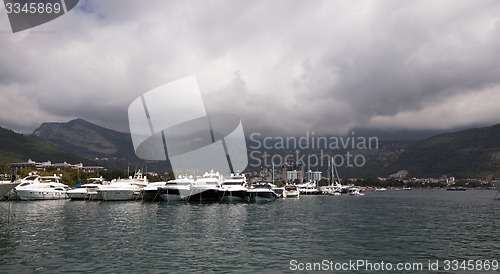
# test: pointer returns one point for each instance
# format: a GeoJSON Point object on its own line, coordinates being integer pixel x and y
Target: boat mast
{"type": "Point", "coordinates": [330, 174]}
{"type": "Point", "coordinates": [272, 176]}
{"type": "Point", "coordinates": [337, 174]}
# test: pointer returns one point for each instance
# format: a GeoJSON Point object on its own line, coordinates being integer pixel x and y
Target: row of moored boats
{"type": "Point", "coordinates": [212, 186]}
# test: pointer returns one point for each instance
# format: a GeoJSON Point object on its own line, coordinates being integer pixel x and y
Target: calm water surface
{"type": "Point", "coordinates": [131, 237]}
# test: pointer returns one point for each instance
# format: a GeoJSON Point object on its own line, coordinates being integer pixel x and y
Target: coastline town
{"type": "Point", "coordinates": [45, 181]}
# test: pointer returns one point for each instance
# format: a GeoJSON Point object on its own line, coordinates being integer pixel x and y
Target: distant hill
{"type": "Point", "coordinates": [471, 153]}
{"type": "Point", "coordinates": [112, 148]}
{"type": "Point", "coordinates": [86, 139]}
{"type": "Point", "coordinates": [16, 147]}
{"type": "Point", "coordinates": [467, 153]}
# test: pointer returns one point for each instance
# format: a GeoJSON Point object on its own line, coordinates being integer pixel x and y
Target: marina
{"type": "Point", "coordinates": [60, 236]}
{"type": "Point", "coordinates": [208, 137]}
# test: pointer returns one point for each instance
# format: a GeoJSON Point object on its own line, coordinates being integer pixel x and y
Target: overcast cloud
{"type": "Point", "coordinates": [285, 67]}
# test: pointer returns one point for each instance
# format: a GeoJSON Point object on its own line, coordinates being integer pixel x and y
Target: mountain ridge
{"type": "Point", "coordinates": [86, 138]}
{"type": "Point", "coordinates": [17, 147]}
{"type": "Point", "coordinates": [473, 152]}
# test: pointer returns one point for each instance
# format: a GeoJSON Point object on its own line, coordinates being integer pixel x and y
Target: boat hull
{"type": "Point", "coordinates": [77, 195]}
{"type": "Point", "coordinates": [151, 195]}
{"type": "Point", "coordinates": [87, 196]}
{"type": "Point", "coordinates": [290, 195]}
{"type": "Point", "coordinates": [309, 191]}
{"type": "Point", "coordinates": [170, 197]}
{"type": "Point", "coordinates": [119, 195]}
{"type": "Point", "coordinates": [234, 196]}
{"type": "Point", "coordinates": [262, 196]}
{"type": "Point", "coordinates": [172, 194]}
{"type": "Point", "coordinates": [29, 195]}
{"type": "Point", "coordinates": [208, 195]}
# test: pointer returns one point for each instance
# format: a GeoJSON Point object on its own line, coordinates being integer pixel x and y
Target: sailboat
{"type": "Point", "coordinates": [334, 188]}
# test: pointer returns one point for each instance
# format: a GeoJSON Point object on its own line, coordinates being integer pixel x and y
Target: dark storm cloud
{"type": "Point", "coordinates": [283, 66]}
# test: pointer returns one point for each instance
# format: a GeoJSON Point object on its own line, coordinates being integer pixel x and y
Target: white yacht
{"type": "Point", "coordinates": [331, 190]}
{"type": "Point", "coordinates": [262, 192]}
{"type": "Point", "coordinates": [380, 189]}
{"type": "Point", "coordinates": [36, 187]}
{"type": "Point", "coordinates": [356, 191]}
{"type": "Point", "coordinates": [235, 188]}
{"type": "Point", "coordinates": [87, 191]}
{"type": "Point", "coordinates": [309, 188]}
{"type": "Point", "coordinates": [176, 190]}
{"type": "Point", "coordinates": [206, 188]}
{"type": "Point", "coordinates": [291, 191]}
{"type": "Point", "coordinates": [123, 189]}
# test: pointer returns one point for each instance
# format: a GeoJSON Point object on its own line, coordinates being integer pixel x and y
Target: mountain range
{"type": "Point", "coordinates": [473, 153]}
{"type": "Point", "coordinates": [86, 139]}
{"type": "Point", "coordinates": [15, 147]}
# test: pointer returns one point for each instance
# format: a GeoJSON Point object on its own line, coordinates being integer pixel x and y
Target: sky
{"type": "Point", "coordinates": [284, 67]}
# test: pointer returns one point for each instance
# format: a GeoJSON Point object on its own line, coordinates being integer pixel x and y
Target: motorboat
{"type": "Point", "coordinates": [356, 191]}
{"type": "Point", "coordinates": [331, 190]}
{"type": "Point", "coordinates": [380, 189]}
{"type": "Point", "coordinates": [151, 192]}
{"type": "Point", "coordinates": [235, 188]}
{"type": "Point", "coordinates": [291, 191]}
{"type": "Point", "coordinates": [87, 191]}
{"type": "Point", "coordinates": [262, 192]}
{"type": "Point", "coordinates": [124, 189]}
{"type": "Point", "coordinates": [459, 188]}
{"type": "Point", "coordinates": [176, 190]}
{"type": "Point", "coordinates": [36, 187]}
{"type": "Point", "coordinates": [309, 188]}
{"type": "Point", "coordinates": [206, 188]}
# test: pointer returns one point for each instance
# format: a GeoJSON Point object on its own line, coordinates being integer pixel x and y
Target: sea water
{"type": "Point", "coordinates": [418, 229]}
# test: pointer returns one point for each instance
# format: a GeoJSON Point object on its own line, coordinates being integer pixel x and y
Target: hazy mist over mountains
{"type": "Point", "coordinates": [284, 67]}
{"type": "Point", "coordinates": [465, 153]}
